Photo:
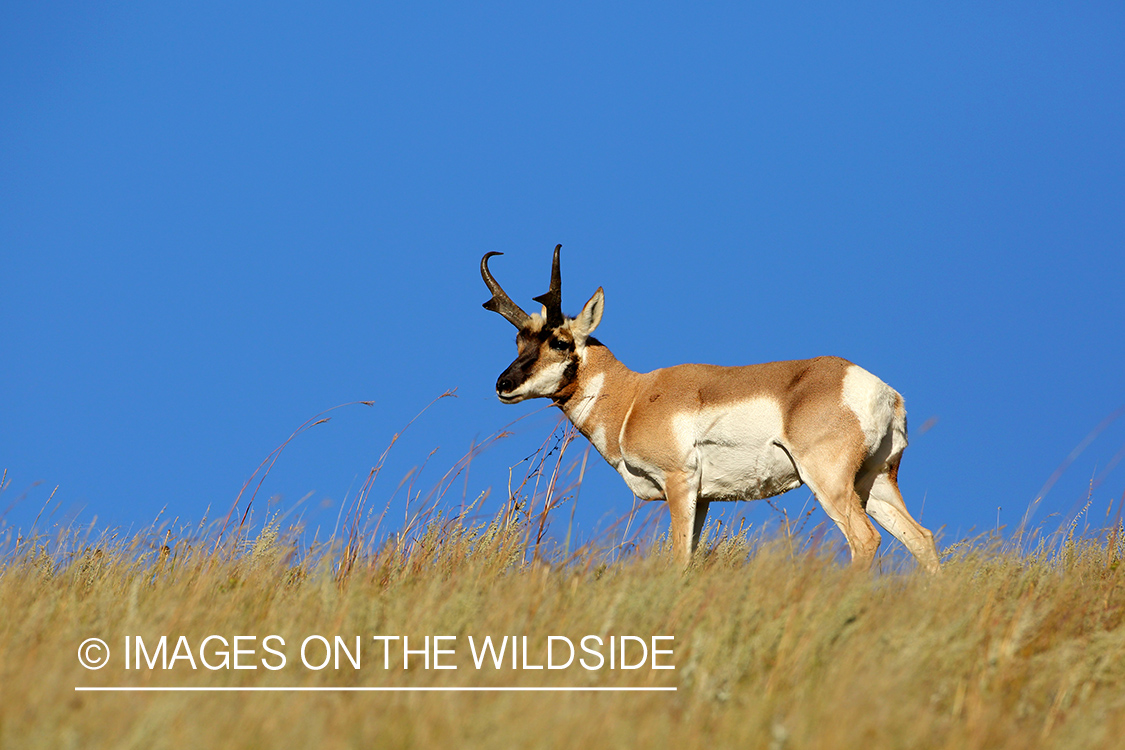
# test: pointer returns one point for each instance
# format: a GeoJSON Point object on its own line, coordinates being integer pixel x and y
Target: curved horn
{"type": "Point", "coordinates": [501, 302]}
{"type": "Point", "coordinates": [552, 299]}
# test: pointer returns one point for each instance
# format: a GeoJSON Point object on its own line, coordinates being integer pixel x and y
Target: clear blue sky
{"type": "Point", "coordinates": [217, 220]}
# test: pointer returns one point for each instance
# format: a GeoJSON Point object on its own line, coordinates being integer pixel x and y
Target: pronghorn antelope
{"type": "Point", "coordinates": [693, 434]}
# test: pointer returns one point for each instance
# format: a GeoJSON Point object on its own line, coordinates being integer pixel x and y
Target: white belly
{"type": "Point", "coordinates": [737, 451]}
{"type": "Point", "coordinates": [745, 472]}
{"type": "Point", "coordinates": [733, 453]}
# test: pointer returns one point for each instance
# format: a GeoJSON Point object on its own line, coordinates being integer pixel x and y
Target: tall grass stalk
{"type": "Point", "coordinates": [776, 644]}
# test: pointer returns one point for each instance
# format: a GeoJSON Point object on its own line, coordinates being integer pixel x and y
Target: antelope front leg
{"type": "Point", "coordinates": [701, 507]}
{"type": "Point", "coordinates": [682, 495]}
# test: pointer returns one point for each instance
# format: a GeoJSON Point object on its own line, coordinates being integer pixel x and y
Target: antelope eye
{"type": "Point", "coordinates": [559, 345]}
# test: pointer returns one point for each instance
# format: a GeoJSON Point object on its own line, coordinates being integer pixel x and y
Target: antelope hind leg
{"type": "Point", "coordinates": [886, 506]}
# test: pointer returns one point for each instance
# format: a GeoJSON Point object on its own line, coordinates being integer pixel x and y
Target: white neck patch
{"type": "Point", "coordinates": [586, 399]}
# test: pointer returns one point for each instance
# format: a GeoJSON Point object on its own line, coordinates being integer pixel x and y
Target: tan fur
{"type": "Point", "coordinates": [824, 439]}
{"type": "Point", "coordinates": [692, 434]}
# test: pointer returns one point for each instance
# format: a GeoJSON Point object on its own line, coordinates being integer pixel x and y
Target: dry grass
{"type": "Point", "coordinates": [772, 647]}
{"type": "Point", "coordinates": [776, 644]}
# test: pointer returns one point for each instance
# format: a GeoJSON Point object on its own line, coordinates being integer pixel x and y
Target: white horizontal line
{"type": "Point", "coordinates": [370, 689]}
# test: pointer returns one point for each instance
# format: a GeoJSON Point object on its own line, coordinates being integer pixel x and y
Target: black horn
{"type": "Point", "coordinates": [552, 300]}
{"type": "Point", "coordinates": [501, 302]}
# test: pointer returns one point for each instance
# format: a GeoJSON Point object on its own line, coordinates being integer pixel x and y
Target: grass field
{"type": "Point", "coordinates": [775, 644]}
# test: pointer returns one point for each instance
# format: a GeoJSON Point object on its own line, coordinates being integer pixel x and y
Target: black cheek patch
{"type": "Point", "coordinates": [568, 389]}
{"type": "Point", "coordinates": [571, 371]}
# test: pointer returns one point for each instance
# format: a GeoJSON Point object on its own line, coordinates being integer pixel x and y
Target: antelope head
{"type": "Point", "coordinates": [551, 347]}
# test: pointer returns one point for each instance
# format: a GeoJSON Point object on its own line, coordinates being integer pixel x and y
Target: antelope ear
{"type": "Point", "coordinates": [590, 316]}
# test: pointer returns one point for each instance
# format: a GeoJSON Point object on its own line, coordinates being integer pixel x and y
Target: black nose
{"type": "Point", "coordinates": [505, 383]}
